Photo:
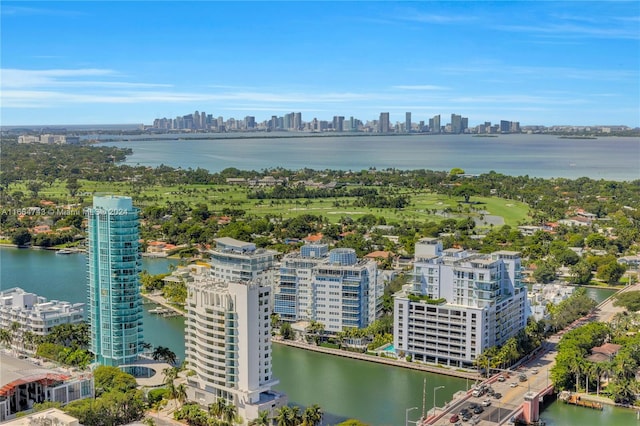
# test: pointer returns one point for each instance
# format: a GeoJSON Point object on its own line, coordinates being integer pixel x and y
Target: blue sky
{"type": "Point", "coordinates": [130, 62]}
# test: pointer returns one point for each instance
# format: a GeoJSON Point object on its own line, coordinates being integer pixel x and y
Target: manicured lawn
{"type": "Point", "coordinates": [425, 206]}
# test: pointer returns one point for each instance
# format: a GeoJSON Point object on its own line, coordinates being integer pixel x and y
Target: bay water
{"type": "Point", "coordinates": [544, 156]}
{"type": "Point", "coordinates": [344, 388]}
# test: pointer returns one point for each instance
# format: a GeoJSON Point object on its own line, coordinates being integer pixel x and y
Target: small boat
{"type": "Point", "coordinates": [65, 251]}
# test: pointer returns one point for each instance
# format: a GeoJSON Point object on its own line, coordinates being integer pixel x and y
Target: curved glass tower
{"type": "Point", "coordinates": [114, 264]}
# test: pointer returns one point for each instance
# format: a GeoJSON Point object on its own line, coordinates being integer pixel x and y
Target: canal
{"type": "Point", "coordinates": [344, 388]}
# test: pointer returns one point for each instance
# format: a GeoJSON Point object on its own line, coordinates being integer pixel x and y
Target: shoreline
{"type": "Point", "coordinates": [160, 300]}
{"type": "Point", "coordinates": [445, 371]}
{"type": "Point", "coordinates": [606, 401]}
{"type": "Point", "coordinates": [380, 360]}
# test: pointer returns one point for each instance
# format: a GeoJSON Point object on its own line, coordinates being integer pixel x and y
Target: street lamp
{"type": "Point", "coordinates": [406, 415]}
{"type": "Point", "coordinates": [434, 398]}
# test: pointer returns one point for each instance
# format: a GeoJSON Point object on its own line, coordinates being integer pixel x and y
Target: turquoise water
{"type": "Point", "coordinates": [390, 348]}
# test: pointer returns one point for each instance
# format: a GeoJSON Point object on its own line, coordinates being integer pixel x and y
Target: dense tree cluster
{"type": "Point", "coordinates": [574, 371]}
{"type": "Point", "coordinates": [117, 400]}
{"type": "Point", "coordinates": [629, 300]}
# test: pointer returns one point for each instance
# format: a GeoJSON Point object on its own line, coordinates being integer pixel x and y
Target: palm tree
{"type": "Point", "coordinates": [14, 328]}
{"type": "Point", "coordinates": [625, 366]}
{"type": "Point", "coordinates": [262, 419]}
{"type": "Point", "coordinates": [230, 413]}
{"type": "Point", "coordinates": [164, 354]}
{"type": "Point", "coordinates": [217, 408]}
{"type": "Point", "coordinates": [576, 367]}
{"type": "Point", "coordinates": [285, 416]}
{"type": "Point", "coordinates": [170, 374]}
{"type": "Point", "coordinates": [29, 339]}
{"type": "Point", "coordinates": [312, 416]}
{"type": "Point", "coordinates": [5, 337]}
{"type": "Point", "coordinates": [181, 393]}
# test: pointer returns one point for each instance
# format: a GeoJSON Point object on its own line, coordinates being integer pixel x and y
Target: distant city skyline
{"type": "Point", "coordinates": [538, 63]}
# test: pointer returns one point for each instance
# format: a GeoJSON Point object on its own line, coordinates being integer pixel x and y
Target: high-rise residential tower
{"type": "Point", "coordinates": [407, 122]}
{"type": "Point", "coordinates": [114, 265]}
{"type": "Point", "coordinates": [228, 346]}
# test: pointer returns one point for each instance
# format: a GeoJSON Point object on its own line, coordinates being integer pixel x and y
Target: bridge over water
{"type": "Point", "coordinates": [521, 399]}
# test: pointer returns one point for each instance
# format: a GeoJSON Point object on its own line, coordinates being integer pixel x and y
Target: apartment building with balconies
{"type": "Point", "coordinates": [458, 304]}
{"type": "Point", "coordinates": [228, 345]}
{"type": "Point", "coordinates": [334, 288]}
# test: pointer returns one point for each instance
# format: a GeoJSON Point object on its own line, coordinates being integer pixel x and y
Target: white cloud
{"type": "Point", "coordinates": [431, 18]}
{"type": "Point", "coordinates": [419, 87]}
{"type": "Point", "coordinates": [572, 30]}
{"type": "Point", "coordinates": [16, 78]}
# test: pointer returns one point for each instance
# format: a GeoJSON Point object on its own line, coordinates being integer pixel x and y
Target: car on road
{"type": "Point", "coordinates": [513, 384]}
{"type": "Point", "coordinates": [497, 395]}
{"type": "Point", "coordinates": [523, 377]}
{"type": "Point", "coordinates": [534, 371]}
{"type": "Point", "coordinates": [454, 418]}
{"type": "Point", "coordinates": [486, 403]}
{"type": "Point", "coordinates": [501, 378]}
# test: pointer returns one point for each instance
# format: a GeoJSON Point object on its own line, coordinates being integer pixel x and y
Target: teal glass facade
{"type": "Point", "coordinates": [114, 265]}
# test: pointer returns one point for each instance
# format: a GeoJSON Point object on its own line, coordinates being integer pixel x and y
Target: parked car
{"type": "Point", "coordinates": [486, 403]}
{"type": "Point", "coordinates": [472, 405]}
{"type": "Point", "coordinates": [478, 410]}
{"type": "Point", "coordinates": [454, 418]}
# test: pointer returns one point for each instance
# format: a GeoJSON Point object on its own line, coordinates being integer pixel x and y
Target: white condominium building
{"type": "Point", "coordinates": [228, 345]}
{"type": "Point", "coordinates": [234, 260]}
{"type": "Point", "coordinates": [459, 304]}
{"type": "Point", "coordinates": [294, 298]}
{"type": "Point", "coordinates": [34, 313]}
{"type": "Point", "coordinates": [334, 288]}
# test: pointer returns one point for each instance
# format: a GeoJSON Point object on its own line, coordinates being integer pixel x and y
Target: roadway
{"type": "Point", "coordinates": [537, 370]}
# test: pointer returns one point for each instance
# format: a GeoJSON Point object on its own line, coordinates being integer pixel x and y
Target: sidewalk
{"type": "Point", "coordinates": [380, 360]}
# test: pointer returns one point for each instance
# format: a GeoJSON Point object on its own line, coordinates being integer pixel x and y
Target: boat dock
{"type": "Point", "coordinates": [577, 400]}
{"type": "Point", "coordinates": [164, 312]}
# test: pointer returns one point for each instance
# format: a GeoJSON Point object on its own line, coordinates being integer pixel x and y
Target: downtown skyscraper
{"type": "Point", "coordinates": [114, 265]}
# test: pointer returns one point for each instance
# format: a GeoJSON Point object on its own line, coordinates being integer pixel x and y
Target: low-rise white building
{"type": "Point", "coordinates": [541, 295]}
{"type": "Point", "coordinates": [34, 313]}
{"type": "Point", "coordinates": [459, 304]}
